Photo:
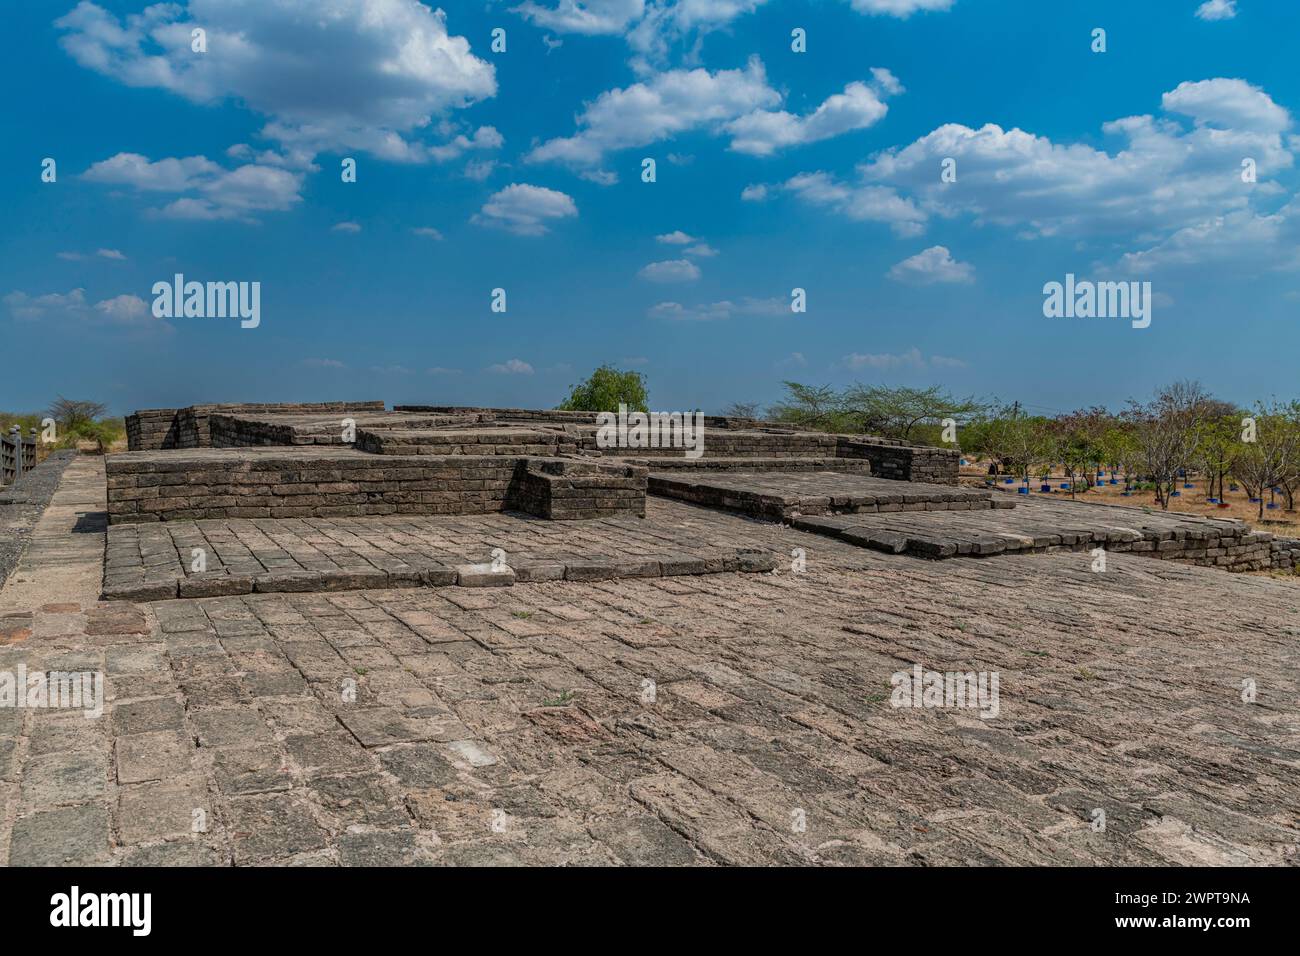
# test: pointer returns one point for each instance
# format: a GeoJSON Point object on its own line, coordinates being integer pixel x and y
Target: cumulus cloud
{"type": "Point", "coordinates": [1169, 173]}
{"type": "Point", "coordinates": [675, 238]}
{"type": "Point", "coordinates": [485, 137]}
{"type": "Point", "coordinates": [1217, 10]}
{"type": "Point", "coordinates": [736, 103]}
{"type": "Point", "coordinates": [323, 363]}
{"type": "Point", "coordinates": [670, 270]}
{"type": "Point", "coordinates": [358, 74]}
{"type": "Point", "coordinates": [587, 17]}
{"type": "Point", "coordinates": [212, 191]}
{"type": "Point", "coordinates": [757, 192]}
{"type": "Point", "coordinates": [862, 203]}
{"type": "Point", "coordinates": [932, 266]}
{"type": "Point", "coordinates": [63, 308]}
{"type": "Point", "coordinates": [350, 227]}
{"type": "Point", "coordinates": [716, 311]}
{"type": "Point", "coordinates": [762, 133]}
{"type": "Point", "coordinates": [428, 232]}
{"type": "Point", "coordinates": [525, 210]}
{"type": "Point", "coordinates": [512, 367]}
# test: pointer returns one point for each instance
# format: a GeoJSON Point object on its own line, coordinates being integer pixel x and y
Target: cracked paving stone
{"type": "Point", "coordinates": [68, 836]}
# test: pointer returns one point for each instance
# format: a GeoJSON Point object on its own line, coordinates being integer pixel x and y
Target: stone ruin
{"type": "Point", "coordinates": [347, 495]}
{"type": "Point", "coordinates": [293, 461]}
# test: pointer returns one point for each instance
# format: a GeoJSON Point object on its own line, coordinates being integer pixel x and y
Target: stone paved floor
{"type": "Point", "coordinates": [778, 495]}
{"type": "Point", "coordinates": [701, 720]}
{"type": "Point", "coordinates": [1033, 523]}
{"type": "Point", "coordinates": [141, 555]}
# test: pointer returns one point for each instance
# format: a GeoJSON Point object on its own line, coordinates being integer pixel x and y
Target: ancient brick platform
{"type": "Point", "coordinates": [150, 562]}
{"type": "Point", "coordinates": [1040, 525]}
{"type": "Point", "coordinates": [295, 482]}
{"type": "Point", "coordinates": [781, 495]}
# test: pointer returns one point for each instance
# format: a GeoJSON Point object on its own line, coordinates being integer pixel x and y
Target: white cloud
{"type": "Point", "coordinates": [512, 367]}
{"type": "Point", "coordinates": [1217, 10]}
{"type": "Point", "coordinates": [931, 266]}
{"type": "Point", "coordinates": [440, 370]}
{"type": "Point", "coordinates": [360, 74]}
{"type": "Point", "coordinates": [56, 308]}
{"type": "Point", "coordinates": [588, 17]}
{"type": "Point", "coordinates": [1171, 172]}
{"type": "Point", "coordinates": [670, 270]}
{"type": "Point", "coordinates": [661, 107]}
{"type": "Point", "coordinates": [736, 103]}
{"type": "Point", "coordinates": [323, 363]}
{"type": "Point", "coordinates": [428, 232]}
{"type": "Point", "coordinates": [101, 253]}
{"type": "Point", "coordinates": [389, 370]}
{"type": "Point", "coordinates": [350, 227]}
{"type": "Point", "coordinates": [700, 250]}
{"type": "Point", "coordinates": [675, 238]}
{"type": "Point", "coordinates": [793, 360]}
{"type": "Point", "coordinates": [214, 192]}
{"type": "Point", "coordinates": [862, 203]}
{"type": "Point", "coordinates": [485, 137]}
{"type": "Point", "coordinates": [899, 8]}
{"type": "Point", "coordinates": [762, 133]}
{"type": "Point", "coordinates": [754, 193]}
{"type": "Point", "coordinates": [1243, 242]}
{"type": "Point", "coordinates": [525, 210]}
{"type": "Point", "coordinates": [717, 311]}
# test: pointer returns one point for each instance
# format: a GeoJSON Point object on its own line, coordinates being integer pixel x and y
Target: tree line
{"type": "Point", "coordinates": [1180, 430]}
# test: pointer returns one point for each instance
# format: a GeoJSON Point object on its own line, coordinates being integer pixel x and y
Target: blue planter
{"type": "Point", "coordinates": [1065, 486]}
{"type": "Point", "coordinates": [1114, 481]}
{"type": "Point", "coordinates": [1177, 494]}
{"type": "Point", "coordinates": [1189, 486]}
{"type": "Point", "coordinates": [1232, 487]}
{"type": "Point", "coordinates": [1023, 490]}
{"type": "Point", "coordinates": [1011, 481]}
{"type": "Point", "coordinates": [1211, 501]}
{"type": "Point", "coordinates": [1254, 501]}
{"type": "Point", "coordinates": [1271, 506]}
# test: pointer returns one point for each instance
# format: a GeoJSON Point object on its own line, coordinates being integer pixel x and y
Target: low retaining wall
{"type": "Point", "coordinates": [567, 490]}
{"type": "Point", "coordinates": [939, 466]}
{"type": "Point", "coordinates": [301, 482]}
{"type": "Point", "coordinates": [166, 428]}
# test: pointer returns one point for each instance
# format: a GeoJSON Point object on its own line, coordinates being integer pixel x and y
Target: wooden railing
{"type": "Point", "coordinates": [17, 455]}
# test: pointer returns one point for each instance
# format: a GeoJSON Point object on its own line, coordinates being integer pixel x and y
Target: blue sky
{"type": "Point", "coordinates": [521, 170]}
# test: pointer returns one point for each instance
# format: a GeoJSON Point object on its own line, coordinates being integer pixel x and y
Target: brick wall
{"type": "Point", "coordinates": [303, 482]}
{"type": "Point", "coordinates": [904, 462]}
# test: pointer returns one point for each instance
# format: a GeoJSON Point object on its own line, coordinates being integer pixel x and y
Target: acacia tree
{"type": "Point", "coordinates": [809, 406]}
{"type": "Point", "coordinates": [1076, 441]}
{"type": "Point", "coordinates": [73, 414]}
{"type": "Point", "coordinates": [899, 412]}
{"type": "Point", "coordinates": [1273, 458]}
{"type": "Point", "coordinates": [1014, 440]}
{"type": "Point", "coordinates": [1167, 431]}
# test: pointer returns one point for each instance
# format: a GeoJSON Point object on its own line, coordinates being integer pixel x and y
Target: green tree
{"type": "Point", "coordinates": [907, 414]}
{"type": "Point", "coordinates": [605, 390]}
